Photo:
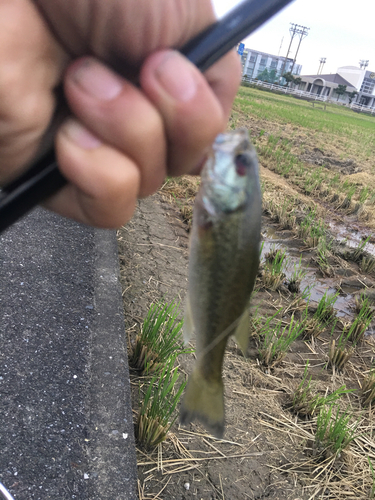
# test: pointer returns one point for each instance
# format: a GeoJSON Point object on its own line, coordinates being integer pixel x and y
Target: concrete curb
{"type": "Point", "coordinates": [112, 449]}
{"type": "Point", "coordinates": [65, 411]}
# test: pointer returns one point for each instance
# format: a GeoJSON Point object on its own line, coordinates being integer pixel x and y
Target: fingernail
{"type": "Point", "coordinates": [97, 80]}
{"type": "Point", "coordinates": [80, 135]}
{"type": "Point", "coordinates": [176, 75]}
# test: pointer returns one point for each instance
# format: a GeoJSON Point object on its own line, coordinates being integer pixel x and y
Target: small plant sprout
{"type": "Point", "coordinates": [160, 338]}
{"type": "Point", "coordinates": [339, 353]}
{"type": "Point", "coordinates": [368, 389]}
{"type": "Point", "coordinates": [333, 430]}
{"type": "Point", "coordinates": [298, 274]}
{"type": "Point", "coordinates": [306, 402]}
{"type": "Point", "coordinates": [157, 413]}
{"type": "Point", "coordinates": [276, 342]}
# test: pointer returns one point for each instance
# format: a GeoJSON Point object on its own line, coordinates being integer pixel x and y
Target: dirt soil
{"type": "Point", "coordinates": [154, 260]}
{"type": "Point", "coordinates": [268, 451]}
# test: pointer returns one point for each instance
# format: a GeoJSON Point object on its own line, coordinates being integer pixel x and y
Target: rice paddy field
{"type": "Point", "coordinates": [299, 407]}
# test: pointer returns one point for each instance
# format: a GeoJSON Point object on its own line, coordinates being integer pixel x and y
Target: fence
{"type": "Point", "coordinates": [307, 95]}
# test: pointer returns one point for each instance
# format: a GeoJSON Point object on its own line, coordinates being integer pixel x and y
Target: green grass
{"type": "Point", "coordinates": [337, 120]}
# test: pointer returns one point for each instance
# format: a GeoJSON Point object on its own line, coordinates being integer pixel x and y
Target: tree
{"type": "Point", "coordinates": [297, 80]}
{"type": "Point", "coordinates": [352, 95]}
{"type": "Point", "coordinates": [341, 89]}
{"type": "Point", "coordinates": [264, 75]}
{"type": "Point", "coordinates": [288, 77]}
{"type": "Point", "coordinates": [272, 76]}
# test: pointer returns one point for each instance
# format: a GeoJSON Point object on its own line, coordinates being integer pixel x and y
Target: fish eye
{"type": "Point", "coordinates": [243, 163]}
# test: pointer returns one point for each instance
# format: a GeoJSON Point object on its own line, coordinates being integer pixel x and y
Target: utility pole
{"type": "Point", "coordinates": [295, 29]}
{"type": "Point", "coordinates": [363, 63]}
{"type": "Point", "coordinates": [322, 61]}
{"type": "Point", "coordinates": [302, 32]}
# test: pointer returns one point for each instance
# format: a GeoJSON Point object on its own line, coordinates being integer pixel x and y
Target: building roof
{"type": "Point", "coordinates": [332, 78]}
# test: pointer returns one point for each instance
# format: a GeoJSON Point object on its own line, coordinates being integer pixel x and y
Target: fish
{"type": "Point", "coordinates": [223, 265]}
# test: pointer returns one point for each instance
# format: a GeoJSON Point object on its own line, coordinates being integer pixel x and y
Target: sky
{"type": "Point", "coordinates": [341, 31]}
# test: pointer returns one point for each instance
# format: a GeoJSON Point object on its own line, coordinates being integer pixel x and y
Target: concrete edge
{"type": "Point", "coordinates": [111, 446]}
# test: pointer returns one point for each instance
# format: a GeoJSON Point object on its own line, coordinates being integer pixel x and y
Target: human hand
{"type": "Point", "coordinates": [122, 140]}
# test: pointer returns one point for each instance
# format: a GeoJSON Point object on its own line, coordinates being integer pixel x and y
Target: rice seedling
{"type": "Point", "coordinates": [323, 252]}
{"type": "Point", "coordinates": [325, 311]}
{"type": "Point", "coordinates": [333, 430]}
{"type": "Point", "coordinates": [307, 402]}
{"type": "Point", "coordinates": [364, 194]}
{"type": "Point", "coordinates": [273, 274]}
{"type": "Point", "coordinates": [368, 389]}
{"type": "Point", "coordinates": [312, 327]}
{"type": "Point", "coordinates": [160, 338]}
{"type": "Point", "coordinates": [339, 353]}
{"type": "Point", "coordinates": [356, 331]}
{"type": "Point", "coordinates": [367, 264]}
{"type": "Point", "coordinates": [157, 412]}
{"type": "Point", "coordinates": [276, 342]}
{"type": "Point", "coordinates": [295, 280]}
{"type": "Point", "coordinates": [358, 253]}
{"type": "Point", "coordinates": [311, 229]}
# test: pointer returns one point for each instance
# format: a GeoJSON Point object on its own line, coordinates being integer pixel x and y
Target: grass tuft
{"type": "Point", "coordinates": [159, 339]}
{"type": "Point", "coordinates": [333, 430]}
{"type": "Point", "coordinates": [276, 342]}
{"type": "Point", "coordinates": [157, 413]}
{"type": "Point", "coordinates": [306, 402]}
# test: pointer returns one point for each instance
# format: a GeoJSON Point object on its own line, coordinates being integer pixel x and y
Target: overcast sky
{"type": "Point", "coordinates": [341, 31]}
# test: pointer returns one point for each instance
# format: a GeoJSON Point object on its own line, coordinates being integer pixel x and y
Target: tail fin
{"type": "Point", "coordinates": [204, 401]}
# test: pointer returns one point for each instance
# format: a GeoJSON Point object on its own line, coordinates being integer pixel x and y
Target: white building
{"type": "Point", "coordinates": [355, 80]}
{"type": "Point", "coordinates": [363, 81]}
{"type": "Point", "coordinates": [254, 64]}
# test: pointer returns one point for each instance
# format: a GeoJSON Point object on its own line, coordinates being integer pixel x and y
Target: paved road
{"type": "Point", "coordinates": [65, 417]}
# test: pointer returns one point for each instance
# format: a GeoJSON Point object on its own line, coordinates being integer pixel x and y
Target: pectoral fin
{"type": "Point", "coordinates": [242, 332]}
{"type": "Point", "coordinates": [188, 322]}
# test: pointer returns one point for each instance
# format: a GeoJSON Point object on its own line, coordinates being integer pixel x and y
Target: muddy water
{"type": "Point", "coordinates": [317, 285]}
{"type": "Point", "coordinates": [353, 236]}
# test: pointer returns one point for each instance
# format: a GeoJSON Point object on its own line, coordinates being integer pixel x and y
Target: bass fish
{"type": "Point", "coordinates": [223, 265]}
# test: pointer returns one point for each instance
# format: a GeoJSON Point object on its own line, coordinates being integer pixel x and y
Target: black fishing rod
{"type": "Point", "coordinates": [44, 178]}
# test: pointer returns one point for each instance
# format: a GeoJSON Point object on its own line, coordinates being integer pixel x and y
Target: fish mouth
{"type": "Point", "coordinates": [233, 142]}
